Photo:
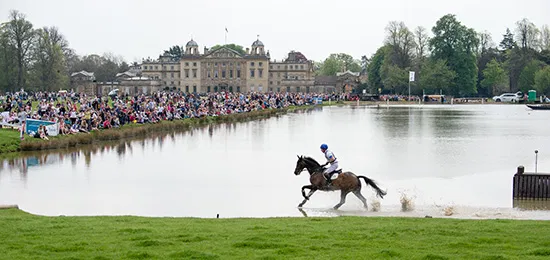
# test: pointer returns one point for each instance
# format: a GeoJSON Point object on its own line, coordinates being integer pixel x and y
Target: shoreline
{"type": "Point", "coordinates": [14, 147]}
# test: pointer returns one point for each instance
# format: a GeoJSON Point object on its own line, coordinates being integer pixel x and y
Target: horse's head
{"type": "Point", "coordinates": [300, 165]}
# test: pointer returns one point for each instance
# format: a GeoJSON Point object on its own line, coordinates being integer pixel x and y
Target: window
{"type": "Point", "coordinates": [307, 89]}
{"type": "Point", "coordinates": [171, 74]}
{"type": "Point", "coordinates": [156, 67]}
{"type": "Point", "coordinates": [209, 74]}
{"type": "Point", "coordinates": [238, 74]}
{"type": "Point", "coordinates": [251, 73]}
{"type": "Point", "coordinates": [194, 73]}
{"type": "Point", "coordinates": [215, 74]}
{"type": "Point", "coordinates": [208, 89]}
{"type": "Point", "coordinates": [252, 88]}
{"type": "Point", "coordinates": [215, 88]}
{"type": "Point", "coordinates": [187, 73]}
{"type": "Point", "coordinates": [187, 89]}
{"type": "Point", "coordinates": [144, 67]}
{"type": "Point", "coordinates": [171, 67]}
{"type": "Point", "coordinates": [223, 64]}
{"type": "Point", "coordinates": [163, 67]}
{"type": "Point", "coordinates": [278, 89]}
{"type": "Point", "coordinates": [252, 64]}
{"type": "Point", "coordinates": [260, 64]}
{"type": "Point", "coordinates": [223, 74]}
{"type": "Point", "coordinates": [186, 64]}
{"type": "Point", "coordinates": [301, 66]}
{"type": "Point", "coordinates": [231, 74]}
{"type": "Point", "coordinates": [271, 83]}
{"type": "Point", "coordinates": [230, 88]}
{"type": "Point", "coordinates": [238, 89]}
{"type": "Point", "coordinates": [271, 74]}
{"type": "Point", "coordinates": [194, 64]}
{"type": "Point", "coordinates": [271, 89]}
{"type": "Point", "coordinates": [261, 73]}
{"type": "Point", "coordinates": [287, 89]}
{"type": "Point", "coordinates": [194, 89]}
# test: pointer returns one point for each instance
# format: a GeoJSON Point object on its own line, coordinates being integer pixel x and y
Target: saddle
{"type": "Point", "coordinates": [333, 174]}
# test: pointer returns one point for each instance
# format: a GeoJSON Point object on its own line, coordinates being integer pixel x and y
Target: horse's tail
{"type": "Point", "coordinates": [370, 182]}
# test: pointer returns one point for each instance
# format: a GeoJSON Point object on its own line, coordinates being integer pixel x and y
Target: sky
{"type": "Point", "coordinates": [139, 29]}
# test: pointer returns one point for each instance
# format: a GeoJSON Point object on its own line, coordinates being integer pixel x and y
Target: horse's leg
{"type": "Point", "coordinates": [343, 195]}
{"type": "Point", "coordinates": [360, 196]}
{"type": "Point", "coordinates": [311, 191]}
{"type": "Point", "coordinates": [304, 191]}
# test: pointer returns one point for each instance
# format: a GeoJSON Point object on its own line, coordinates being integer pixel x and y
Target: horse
{"type": "Point", "coordinates": [346, 182]}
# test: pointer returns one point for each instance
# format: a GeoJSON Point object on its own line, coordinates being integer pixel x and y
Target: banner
{"type": "Point", "coordinates": [31, 126]}
{"type": "Point", "coordinates": [411, 76]}
{"type": "Point", "coordinates": [319, 101]}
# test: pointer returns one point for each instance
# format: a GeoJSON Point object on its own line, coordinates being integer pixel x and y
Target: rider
{"type": "Point", "coordinates": [330, 159]}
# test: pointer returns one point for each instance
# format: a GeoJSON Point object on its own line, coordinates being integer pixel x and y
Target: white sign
{"type": "Point", "coordinates": [364, 91]}
{"type": "Point", "coordinates": [53, 130]}
{"type": "Point", "coordinates": [411, 75]}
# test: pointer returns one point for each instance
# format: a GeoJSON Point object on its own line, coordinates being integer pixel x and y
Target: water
{"type": "Point", "coordinates": [449, 161]}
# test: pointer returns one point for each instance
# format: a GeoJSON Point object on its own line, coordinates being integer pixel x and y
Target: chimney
{"type": "Point", "coordinates": [247, 50]}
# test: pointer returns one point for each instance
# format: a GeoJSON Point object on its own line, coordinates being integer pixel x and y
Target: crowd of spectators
{"type": "Point", "coordinates": [78, 113]}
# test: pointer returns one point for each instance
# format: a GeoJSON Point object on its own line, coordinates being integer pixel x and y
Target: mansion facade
{"type": "Point", "coordinates": [224, 69]}
{"type": "Point", "coordinates": [220, 69]}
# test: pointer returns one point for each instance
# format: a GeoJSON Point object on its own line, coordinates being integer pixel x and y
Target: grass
{"type": "Point", "coordinates": [26, 236]}
{"type": "Point", "coordinates": [12, 144]}
{"type": "Point", "coordinates": [9, 140]}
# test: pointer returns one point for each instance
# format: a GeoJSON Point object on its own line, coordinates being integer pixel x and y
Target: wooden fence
{"type": "Point", "coordinates": [531, 186]}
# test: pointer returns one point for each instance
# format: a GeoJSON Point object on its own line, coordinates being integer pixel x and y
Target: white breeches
{"type": "Point", "coordinates": [331, 168]}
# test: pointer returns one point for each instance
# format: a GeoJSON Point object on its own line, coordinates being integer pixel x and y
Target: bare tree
{"type": "Point", "coordinates": [402, 41]}
{"type": "Point", "coordinates": [545, 38]}
{"type": "Point", "coordinates": [527, 34]}
{"type": "Point", "coordinates": [485, 41]}
{"type": "Point", "coordinates": [422, 39]}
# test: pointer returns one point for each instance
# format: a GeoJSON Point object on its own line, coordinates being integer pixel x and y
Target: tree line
{"type": "Point", "coordinates": [454, 60]}
{"type": "Point", "coordinates": [40, 58]}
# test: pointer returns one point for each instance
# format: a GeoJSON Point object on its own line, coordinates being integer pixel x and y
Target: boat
{"type": "Point", "coordinates": [539, 107]}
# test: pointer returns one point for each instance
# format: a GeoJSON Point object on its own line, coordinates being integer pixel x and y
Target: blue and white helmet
{"type": "Point", "coordinates": [324, 146]}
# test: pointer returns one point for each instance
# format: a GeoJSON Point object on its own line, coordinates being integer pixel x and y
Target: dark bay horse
{"type": "Point", "coordinates": [346, 182]}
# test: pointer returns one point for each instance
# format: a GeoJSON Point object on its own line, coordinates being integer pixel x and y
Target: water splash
{"type": "Point", "coordinates": [407, 202]}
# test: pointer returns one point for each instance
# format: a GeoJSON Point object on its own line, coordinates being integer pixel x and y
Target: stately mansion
{"type": "Point", "coordinates": [224, 69]}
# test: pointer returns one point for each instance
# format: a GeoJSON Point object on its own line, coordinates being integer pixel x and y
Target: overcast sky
{"type": "Point", "coordinates": [138, 29]}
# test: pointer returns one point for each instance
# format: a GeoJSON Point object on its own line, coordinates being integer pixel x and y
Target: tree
{"type": "Point", "coordinates": [545, 38]}
{"type": "Point", "coordinates": [421, 42]}
{"type": "Point", "coordinates": [401, 40]}
{"type": "Point", "coordinates": [394, 78]}
{"type": "Point", "coordinates": [175, 52]}
{"type": "Point", "coordinates": [494, 78]}
{"type": "Point", "coordinates": [20, 35]}
{"type": "Point", "coordinates": [235, 47]}
{"type": "Point", "coordinates": [485, 42]}
{"type": "Point", "coordinates": [48, 69]}
{"type": "Point", "coordinates": [527, 76]}
{"type": "Point", "coordinates": [507, 42]}
{"type": "Point", "coordinates": [436, 76]}
{"type": "Point", "coordinates": [8, 62]}
{"type": "Point", "coordinates": [456, 44]}
{"type": "Point", "coordinates": [527, 34]}
{"type": "Point", "coordinates": [339, 62]}
{"type": "Point", "coordinates": [542, 80]}
{"type": "Point", "coordinates": [373, 70]}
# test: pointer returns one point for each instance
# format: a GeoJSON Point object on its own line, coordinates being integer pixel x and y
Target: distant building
{"type": "Point", "coordinates": [294, 74]}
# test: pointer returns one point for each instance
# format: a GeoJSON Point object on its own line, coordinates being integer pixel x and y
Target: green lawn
{"type": "Point", "coordinates": [26, 236]}
{"type": "Point", "coordinates": [9, 140]}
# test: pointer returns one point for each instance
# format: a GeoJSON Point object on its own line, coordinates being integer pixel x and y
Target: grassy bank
{"type": "Point", "coordinates": [26, 236]}
{"type": "Point", "coordinates": [11, 142]}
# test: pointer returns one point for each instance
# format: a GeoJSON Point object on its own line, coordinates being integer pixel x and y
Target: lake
{"type": "Point", "coordinates": [457, 160]}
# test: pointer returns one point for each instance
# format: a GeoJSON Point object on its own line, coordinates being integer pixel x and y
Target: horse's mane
{"type": "Point", "coordinates": [311, 160]}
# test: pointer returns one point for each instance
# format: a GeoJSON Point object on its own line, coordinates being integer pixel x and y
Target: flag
{"type": "Point", "coordinates": [411, 75]}
{"type": "Point", "coordinates": [226, 29]}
